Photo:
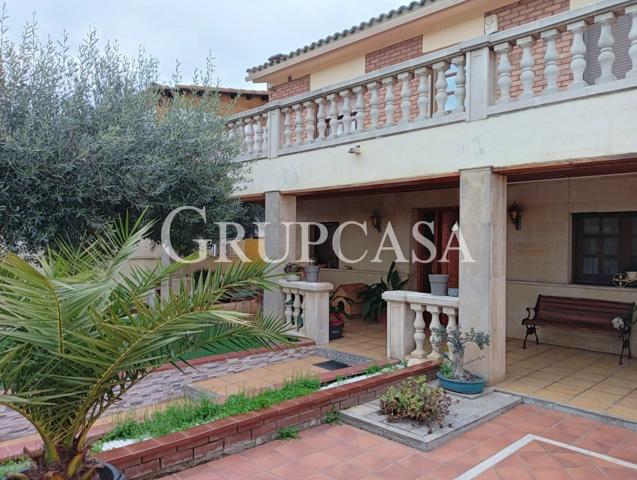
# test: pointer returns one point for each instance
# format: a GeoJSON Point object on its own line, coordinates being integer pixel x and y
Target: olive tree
{"type": "Point", "coordinates": [85, 138]}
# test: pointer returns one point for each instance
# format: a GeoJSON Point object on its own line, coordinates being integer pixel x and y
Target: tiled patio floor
{"type": "Point", "coordinates": [363, 338]}
{"type": "Point", "coordinates": [256, 379]}
{"type": "Point", "coordinates": [580, 378]}
{"type": "Point", "coordinates": [344, 452]}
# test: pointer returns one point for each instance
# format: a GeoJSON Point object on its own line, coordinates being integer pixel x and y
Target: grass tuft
{"type": "Point", "coordinates": [13, 466]}
{"type": "Point", "coordinates": [197, 412]}
{"type": "Point", "coordinates": [287, 433]}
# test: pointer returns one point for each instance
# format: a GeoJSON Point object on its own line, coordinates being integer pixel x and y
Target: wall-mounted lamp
{"type": "Point", "coordinates": [355, 150]}
{"type": "Point", "coordinates": [376, 218]}
{"type": "Point", "coordinates": [515, 214]}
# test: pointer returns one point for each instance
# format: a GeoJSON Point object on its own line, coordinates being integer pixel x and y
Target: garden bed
{"type": "Point", "coordinates": [229, 435]}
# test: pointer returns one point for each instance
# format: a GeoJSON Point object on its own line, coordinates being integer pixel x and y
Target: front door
{"type": "Point", "coordinates": [444, 221]}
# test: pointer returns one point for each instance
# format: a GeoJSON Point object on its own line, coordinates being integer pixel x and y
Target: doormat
{"type": "Point", "coordinates": [331, 365]}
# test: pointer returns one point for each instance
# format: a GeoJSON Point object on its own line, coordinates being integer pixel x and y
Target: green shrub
{"type": "Point", "coordinates": [287, 433]}
{"type": "Point", "coordinates": [416, 400]}
{"type": "Point", "coordinates": [332, 417]}
{"type": "Point", "coordinates": [446, 369]}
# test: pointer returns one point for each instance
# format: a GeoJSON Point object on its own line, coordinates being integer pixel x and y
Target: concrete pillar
{"type": "Point", "coordinates": [278, 209]}
{"type": "Point", "coordinates": [480, 82]}
{"type": "Point", "coordinates": [400, 326]}
{"type": "Point", "coordinates": [483, 217]}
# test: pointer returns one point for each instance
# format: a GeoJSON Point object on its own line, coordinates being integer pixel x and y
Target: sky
{"type": "Point", "coordinates": [239, 33]}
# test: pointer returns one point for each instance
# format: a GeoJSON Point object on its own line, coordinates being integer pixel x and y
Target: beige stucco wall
{"type": "Point", "coordinates": [574, 4]}
{"type": "Point", "coordinates": [398, 208]}
{"type": "Point", "coordinates": [340, 72]}
{"type": "Point", "coordinates": [468, 23]}
{"type": "Point", "coordinates": [539, 255]}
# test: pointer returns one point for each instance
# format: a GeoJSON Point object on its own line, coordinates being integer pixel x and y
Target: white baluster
{"type": "Point", "coordinates": [419, 331]}
{"type": "Point", "coordinates": [322, 124]}
{"type": "Point", "coordinates": [503, 72]}
{"type": "Point", "coordinates": [578, 54]}
{"type": "Point", "coordinates": [231, 131]}
{"type": "Point", "coordinates": [551, 56]}
{"type": "Point", "coordinates": [288, 311]}
{"type": "Point", "coordinates": [374, 111]}
{"type": "Point", "coordinates": [360, 107]}
{"type": "Point", "coordinates": [527, 75]}
{"type": "Point", "coordinates": [347, 111]}
{"type": "Point", "coordinates": [296, 308]}
{"type": "Point", "coordinates": [298, 123]}
{"type": "Point", "coordinates": [440, 70]}
{"type": "Point", "coordinates": [632, 36]}
{"type": "Point", "coordinates": [606, 43]}
{"type": "Point", "coordinates": [287, 127]}
{"type": "Point", "coordinates": [249, 136]}
{"type": "Point", "coordinates": [239, 132]}
{"type": "Point", "coordinates": [423, 92]}
{"type": "Point", "coordinates": [452, 324]}
{"type": "Point", "coordinates": [333, 113]}
{"type": "Point", "coordinates": [405, 96]}
{"type": "Point", "coordinates": [435, 338]}
{"type": "Point", "coordinates": [258, 134]}
{"type": "Point", "coordinates": [461, 81]}
{"type": "Point", "coordinates": [389, 101]}
{"type": "Point", "coordinates": [266, 136]}
{"type": "Point", "coordinates": [300, 320]}
{"type": "Point", "coordinates": [310, 129]}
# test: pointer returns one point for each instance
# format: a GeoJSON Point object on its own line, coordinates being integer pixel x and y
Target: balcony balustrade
{"type": "Point", "coordinates": [542, 62]}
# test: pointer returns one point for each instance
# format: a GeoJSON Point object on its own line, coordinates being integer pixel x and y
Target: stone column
{"type": "Point", "coordinates": [483, 217]}
{"type": "Point", "coordinates": [400, 326]}
{"type": "Point", "coordinates": [278, 208]}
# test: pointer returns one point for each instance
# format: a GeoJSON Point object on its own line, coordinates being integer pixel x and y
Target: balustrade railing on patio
{"type": "Point", "coordinates": [307, 308]}
{"type": "Point", "coordinates": [545, 61]}
{"type": "Point", "coordinates": [407, 330]}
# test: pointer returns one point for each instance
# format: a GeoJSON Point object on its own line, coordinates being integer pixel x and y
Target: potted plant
{"type": "Point", "coordinates": [312, 272]}
{"type": "Point", "coordinates": [374, 307]}
{"type": "Point", "coordinates": [77, 332]}
{"type": "Point", "coordinates": [452, 375]}
{"type": "Point", "coordinates": [338, 315]}
{"type": "Point", "coordinates": [292, 272]}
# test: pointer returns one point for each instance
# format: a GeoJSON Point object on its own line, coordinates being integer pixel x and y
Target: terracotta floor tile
{"type": "Point", "coordinates": [345, 471]}
{"type": "Point", "coordinates": [293, 471]}
{"type": "Point", "coordinates": [319, 460]}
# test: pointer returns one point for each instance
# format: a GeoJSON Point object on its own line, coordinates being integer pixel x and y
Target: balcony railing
{"type": "Point", "coordinates": [407, 330]}
{"type": "Point", "coordinates": [567, 56]}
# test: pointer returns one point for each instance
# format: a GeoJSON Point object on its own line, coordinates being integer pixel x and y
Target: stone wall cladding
{"type": "Point", "coordinates": [182, 450]}
{"type": "Point", "coordinates": [168, 383]}
{"type": "Point", "coordinates": [291, 88]}
{"type": "Point", "coordinates": [525, 11]}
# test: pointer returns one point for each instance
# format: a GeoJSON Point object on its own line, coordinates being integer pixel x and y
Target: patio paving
{"type": "Point", "coordinates": [366, 339]}
{"type": "Point", "coordinates": [579, 378]}
{"type": "Point", "coordinates": [591, 451]}
{"type": "Point", "coordinates": [256, 379]}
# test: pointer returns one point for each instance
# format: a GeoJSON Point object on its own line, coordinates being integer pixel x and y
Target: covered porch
{"type": "Point", "coordinates": [511, 268]}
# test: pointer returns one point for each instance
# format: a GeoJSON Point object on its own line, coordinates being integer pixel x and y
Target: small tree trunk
{"type": "Point", "coordinates": [458, 365]}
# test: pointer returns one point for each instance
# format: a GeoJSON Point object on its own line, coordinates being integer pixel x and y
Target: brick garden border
{"type": "Point", "coordinates": [226, 436]}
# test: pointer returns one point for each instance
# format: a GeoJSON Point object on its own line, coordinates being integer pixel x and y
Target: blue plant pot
{"type": "Point", "coordinates": [460, 386]}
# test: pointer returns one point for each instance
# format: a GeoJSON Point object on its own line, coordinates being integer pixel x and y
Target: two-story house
{"type": "Point", "coordinates": [515, 120]}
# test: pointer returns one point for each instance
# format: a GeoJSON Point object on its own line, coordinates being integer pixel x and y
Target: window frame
{"type": "Point", "coordinates": [625, 253]}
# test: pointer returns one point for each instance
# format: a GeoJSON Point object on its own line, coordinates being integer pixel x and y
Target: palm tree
{"type": "Point", "coordinates": [77, 332]}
